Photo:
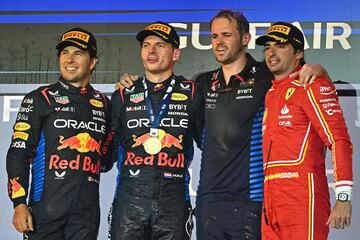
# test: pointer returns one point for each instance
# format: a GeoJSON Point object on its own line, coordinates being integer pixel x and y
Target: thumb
{"type": "Point", "coordinates": [30, 222]}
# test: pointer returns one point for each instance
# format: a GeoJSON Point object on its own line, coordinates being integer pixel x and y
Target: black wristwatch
{"type": "Point", "coordinates": [343, 197]}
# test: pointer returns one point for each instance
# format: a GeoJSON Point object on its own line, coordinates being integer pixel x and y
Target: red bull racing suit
{"type": "Point", "coordinates": [299, 121]}
{"type": "Point", "coordinates": [152, 197]}
{"type": "Point", "coordinates": [58, 133]}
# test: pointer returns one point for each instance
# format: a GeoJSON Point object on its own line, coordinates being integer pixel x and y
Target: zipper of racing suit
{"type": "Point", "coordinates": [265, 170]}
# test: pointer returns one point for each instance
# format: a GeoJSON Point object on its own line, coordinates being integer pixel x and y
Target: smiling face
{"type": "Point", "coordinates": [76, 65]}
{"type": "Point", "coordinates": [281, 59]}
{"type": "Point", "coordinates": [227, 43]}
{"type": "Point", "coordinates": [158, 57]}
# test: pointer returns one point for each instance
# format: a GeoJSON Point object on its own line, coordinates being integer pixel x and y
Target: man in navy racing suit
{"type": "Point", "coordinates": [58, 133]}
{"type": "Point", "coordinates": [153, 127]}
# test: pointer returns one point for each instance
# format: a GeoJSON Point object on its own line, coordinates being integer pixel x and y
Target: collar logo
{"type": "Point", "coordinates": [289, 93]}
{"type": "Point", "coordinates": [130, 90]}
{"type": "Point", "coordinates": [185, 86]}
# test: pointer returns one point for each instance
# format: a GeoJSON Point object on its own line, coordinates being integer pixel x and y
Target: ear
{"type": "Point", "coordinates": [176, 55]}
{"type": "Point", "coordinates": [299, 54]}
{"type": "Point", "coordinates": [246, 39]}
{"type": "Point", "coordinates": [93, 62]}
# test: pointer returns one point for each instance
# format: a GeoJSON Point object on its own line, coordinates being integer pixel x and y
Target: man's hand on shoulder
{"type": "Point", "coordinates": [309, 72]}
{"type": "Point", "coordinates": [126, 81]}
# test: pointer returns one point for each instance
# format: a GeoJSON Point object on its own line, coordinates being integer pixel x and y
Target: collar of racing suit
{"type": "Point", "coordinates": [158, 87]}
{"type": "Point", "coordinates": [242, 76]}
{"type": "Point", "coordinates": [283, 81]}
{"type": "Point", "coordinates": [74, 90]}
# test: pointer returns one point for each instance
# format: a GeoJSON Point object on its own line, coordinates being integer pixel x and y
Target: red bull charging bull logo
{"type": "Point", "coordinates": [161, 159]}
{"type": "Point", "coordinates": [167, 140]}
{"type": "Point", "coordinates": [82, 142]}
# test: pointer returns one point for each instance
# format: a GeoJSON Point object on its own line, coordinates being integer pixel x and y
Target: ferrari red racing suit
{"type": "Point", "coordinates": [298, 121]}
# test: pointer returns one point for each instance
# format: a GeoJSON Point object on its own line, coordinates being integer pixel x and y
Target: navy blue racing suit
{"type": "Point", "coordinates": [58, 133]}
{"type": "Point", "coordinates": [152, 195]}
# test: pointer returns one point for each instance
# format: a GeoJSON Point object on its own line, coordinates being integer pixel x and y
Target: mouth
{"type": "Point", "coordinates": [273, 61]}
{"type": "Point", "coordinates": [152, 60]}
{"type": "Point", "coordinates": [220, 49]}
{"type": "Point", "coordinates": [70, 68]}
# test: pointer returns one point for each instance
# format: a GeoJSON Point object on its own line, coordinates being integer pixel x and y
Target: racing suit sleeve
{"type": "Point", "coordinates": [324, 111]}
{"type": "Point", "coordinates": [25, 138]}
{"type": "Point", "coordinates": [113, 140]}
{"type": "Point", "coordinates": [199, 110]}
{"type": "Point", "coordinates": [106, 162]}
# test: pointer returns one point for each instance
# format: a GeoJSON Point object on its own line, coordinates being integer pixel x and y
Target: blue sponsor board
{"type": "Point", "coordinates": [97, 11]}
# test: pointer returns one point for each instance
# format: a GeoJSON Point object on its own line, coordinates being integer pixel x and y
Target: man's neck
{"type": "Point", "coordinates": [234, 67]}
{"type": "Point", "coordinates": [282, 75]}
{"type": "Point", "coordinates": [158, 77]}
{"type": "Point", "coordinates": [79, 84]}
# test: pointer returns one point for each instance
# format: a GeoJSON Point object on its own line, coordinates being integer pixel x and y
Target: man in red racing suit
{"type": "Point", "coordinates": [298, 121]}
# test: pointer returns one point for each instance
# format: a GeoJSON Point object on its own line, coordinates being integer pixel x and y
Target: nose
{"type": "Point", "coordinates": [270, 51]}
{"type": "Point", "coordinates": [70, 58]}
{"type": "Point", "coordinates": [218, 40]}
{"type": "Point", "coordinates": [152, 49]}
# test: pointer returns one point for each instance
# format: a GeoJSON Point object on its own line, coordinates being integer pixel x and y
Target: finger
{"type": "Point", "coordinates": [348, 221]}
{"type": "Point", "coordinates": [18, 227]}
{"type": "Point", "coordinates": [125, 83]}
{"type": "Point", "coordinates": [30, 223]}
{"type": "Point", "coordinates": [117, 86]}
{"type": "Point", "coordinates": [342, 223]}
{"type": "Point", "coordinates": [295, 74]}
{"type": "Point", "coordinates": [312, 79]}
{"type": "Point", "coordinates": [134, 77]}
{"type": "Point", "coordinates": [22, 227]}
{"type": "Point", "coordinates": [306, 79]}
{"type": "Point", "coordinates": [333, 223]}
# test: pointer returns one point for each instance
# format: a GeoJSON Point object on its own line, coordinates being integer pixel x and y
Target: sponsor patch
{"type": "Point", "coordinates": [62, 100]}
{"type": "Point", "coordinates": [22, 126]}
{"type": "Point", "coordinates": [178, 97]}
{"type": "Point", "coordinates": [18, 144]}
{"type": "Point", "coordinates": [22, 116]}
{"type": "Point", "coordinates": [130, 90]}
{"type": "Point", "coordinates": [28, 100]}
{"type": "Point", "coordinates": [285, 110]}
{"type": "Point", "coordinates": [21, 135]}
{"type": "Point", "coordinates": [172, 175]}
{"type": "Point", "coordinates": [279, 28]}
{"type": "Point", "coordinates": [159, 27]}
{"type": "Point", "coordinates": [137, 97]}
{"type": "Point", "coordinates": [134, 174]}
{"type": "Point", "coordinates": [289, 93]}
{"type": "Point", "coordinates": [185, 86]}
{"type": "Point", "coordinates": [78, 35]}
{"type": "Point", "coordinates": [96, 103]}
{"type": "Point", "coordinates": [16, 189]}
